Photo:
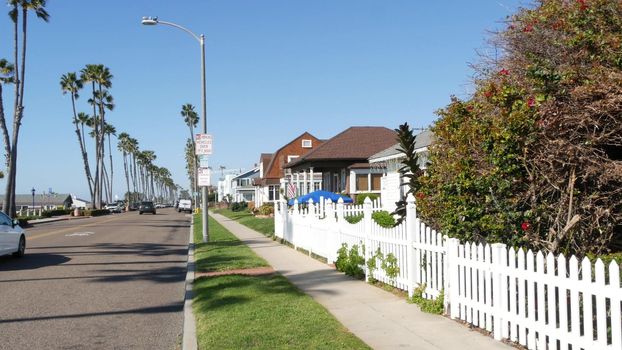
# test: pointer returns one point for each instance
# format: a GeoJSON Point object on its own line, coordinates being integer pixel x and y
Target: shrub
{"type": "Point", "coordinates": [360, 198]}
{"type": "Point", "coordinates": [533, 156]}
{"type": "Point", "coordinates": [383, 218]}
{"type": "Point", "coordinates": [265, 209]}
{"type": "Point", "coordinates": [351, 261]}
{"type": "Point", "coordinates": [435, 306]}
{"type": "Point", "coordinates": [389, 265]}
{"type": "Point", "coordinates": [354, 218]}
{"type": "Point", "coordinates": [238, 206]}
{"type": "Point", "coordinates": [55, 212]}
{"type": "Point", "coordinates": [96, 212]}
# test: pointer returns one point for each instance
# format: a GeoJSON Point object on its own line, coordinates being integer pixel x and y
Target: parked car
{"type": "Point", "coordinates": [146, 207]}
{"type": "Point", "coordinates": [12, 237]}
{"type": "Point", "coordinates": [160, 205]}
{"type": "Point", "coordinates": [134, 206]}
{"type": "Point", "coordinates": [184, 205]}
{"type": "Point", "coordinates": [113, 208]}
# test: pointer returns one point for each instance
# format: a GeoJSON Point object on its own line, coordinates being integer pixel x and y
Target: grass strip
{"type": "Point", "coordinates": [246, 218]}
{"type": "Point", "coordinates": [256, 312]}
{"type": "Point", "coordinates": [224, 251]}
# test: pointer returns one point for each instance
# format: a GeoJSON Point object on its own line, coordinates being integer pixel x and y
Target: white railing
{"type": "Point", "coordinates": [538, 301]}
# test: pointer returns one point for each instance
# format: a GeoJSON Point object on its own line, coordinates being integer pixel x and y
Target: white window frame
{"type": "Point", "coordinates": [292, 157]}
{"type": "Point", "coordinates": [307, 143]}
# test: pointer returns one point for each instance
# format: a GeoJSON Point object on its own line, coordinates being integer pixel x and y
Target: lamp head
{"type": "Point", "coordinates": [149, 21]}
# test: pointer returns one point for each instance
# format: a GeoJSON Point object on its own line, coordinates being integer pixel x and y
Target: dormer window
{"type": "Point", "coordinates": [307, 144]}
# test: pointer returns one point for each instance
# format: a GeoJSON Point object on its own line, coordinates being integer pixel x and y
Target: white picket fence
{"type": "Point", "coordinates": [538, 301]}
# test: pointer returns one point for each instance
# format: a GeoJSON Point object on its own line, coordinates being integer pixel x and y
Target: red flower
{"type": "Point", "coordinates": [420, 195]}
{"type": "Point", "coordinates": [525, 226]}
{"type": "Point", "coordinates": [582, 5]}
{"type": "Point", "coordinates": [488, 93]}
{"type": "Point", "coordinates": [531, 102]}
{"type": "Point", "coordinates": [504, 72]}
{"type": "Point", "coordinates": [528, 28]}
{"type": "Point", "coordinates": [469, 108]}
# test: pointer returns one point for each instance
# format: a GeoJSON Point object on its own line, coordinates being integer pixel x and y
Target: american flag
{"type": "Point", "coordinates": [291, 190]}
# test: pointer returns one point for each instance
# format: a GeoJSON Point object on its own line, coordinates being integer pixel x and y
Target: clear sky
{"type": "Point", "coordinates": [274, 70]}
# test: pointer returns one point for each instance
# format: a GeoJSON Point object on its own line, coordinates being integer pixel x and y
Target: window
{"type": "Point", "coordinates": [273, 193]}
{"type": "Point", "coordinates": [290, 158]}
{"type": "Point", "coordinates": [375, 182]}
{"type": "Point", "coordinates": [307, 144]}
{"type": "Point", "coordinates": [361, 182]}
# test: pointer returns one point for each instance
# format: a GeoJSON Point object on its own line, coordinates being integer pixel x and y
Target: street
{"type": "Point", "coordinates": [115, 281]}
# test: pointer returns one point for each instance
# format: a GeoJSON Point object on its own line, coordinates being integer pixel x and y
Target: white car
{"type": "Point", "coordinates": [113, 208]}
{"type": "Point", "coordinates": [184, 205]}
{"type": "Point", "coordinates": [12, 237]}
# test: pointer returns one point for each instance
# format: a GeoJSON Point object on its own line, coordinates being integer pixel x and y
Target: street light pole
{"type": "Point", "coordinates": [33, 198]}
{"type": "Point", "coordinates": [201, 40]}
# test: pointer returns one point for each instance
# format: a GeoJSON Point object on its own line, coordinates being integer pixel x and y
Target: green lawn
{"type": "Point", "coordinates": [224, 251]}
{"type": "Point", "coordinates": [261, 225]}
{"type": "Point", "coordinates": [256, 312]}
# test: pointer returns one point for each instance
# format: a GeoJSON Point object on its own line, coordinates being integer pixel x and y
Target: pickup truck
{"type": "Point", "coordinates": [184, 205]}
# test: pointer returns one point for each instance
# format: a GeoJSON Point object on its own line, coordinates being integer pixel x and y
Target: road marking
{"type": "Point", "coordinates": [88, 233]}
{"type": "Point", "coordinates": [70, 229]}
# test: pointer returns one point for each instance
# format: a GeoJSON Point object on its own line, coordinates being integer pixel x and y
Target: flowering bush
{"type": "Point", "coordinates": [534, 156]}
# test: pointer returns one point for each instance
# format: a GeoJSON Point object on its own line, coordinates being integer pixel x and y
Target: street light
{"type": "Point", "coordinates": [33, 198]}
{"type": "Point", "coordinates": [151, 21]}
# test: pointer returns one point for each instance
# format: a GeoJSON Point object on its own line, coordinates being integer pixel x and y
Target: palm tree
{"type": "Point", "coordinates": [110, 131]}
{"type": "Point", "coordinates": [191, 118]}
{"type": "Point", "coordinates": [71, 84]}
{"type": "Point", "coordinates": [100, 78]}
{"type": "Point", "coordinates": [38, 6]}
{"type": "Point", "coordinates": [6, 77]}
{"type": "Point", "coordinates": [124, 146]}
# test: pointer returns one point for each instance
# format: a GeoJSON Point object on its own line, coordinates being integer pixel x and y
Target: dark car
{"type": "Point", "coordinates": [133, 206]}
{"type": "Point", "coordinates": [146, 207]}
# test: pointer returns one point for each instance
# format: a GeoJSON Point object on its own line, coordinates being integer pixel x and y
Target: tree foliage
{"type": "Point", "coordinates": [534, 157]}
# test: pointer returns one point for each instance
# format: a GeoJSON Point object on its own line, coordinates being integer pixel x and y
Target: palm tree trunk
{"type": "Point", "coordinates": [7, 148]}
{"type": "Point", "coordinates": [127, 177]}
{"type": "Point", "coordinates": [111, 169]}
{"type": "Point", "coordinates": [85, 158]}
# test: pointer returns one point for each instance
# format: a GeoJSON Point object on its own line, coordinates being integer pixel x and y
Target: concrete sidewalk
{"type": "Point", "coordinates": [379, 318]}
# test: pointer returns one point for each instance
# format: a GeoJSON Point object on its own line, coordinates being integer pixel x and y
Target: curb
{"type": "Point", "coordinates": [189, 340]}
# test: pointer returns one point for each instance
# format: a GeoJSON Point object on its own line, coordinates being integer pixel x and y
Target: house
{"type": "Point", "coordinates": [272, 168]}
{"type": "Point", "coordinates": [79, 203]}
{"type": "Point", "coordinates": [343, 161]}
{"type": "Point", "coordinates": [41, 200]}
{"type": "Point", "coordinates": [243, 187]}
{"type": "Point", "coordinates": [390, 160]}
{"type": "Point", "coordinates": [225, 187]}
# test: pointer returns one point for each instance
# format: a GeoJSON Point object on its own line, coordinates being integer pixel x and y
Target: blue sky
{"type": "Point", "coordinates": [274, 70]}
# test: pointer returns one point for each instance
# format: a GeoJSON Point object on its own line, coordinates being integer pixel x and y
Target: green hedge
{"type": "Point", "coordinates": [360, 198]}
{"type": "Point", "coordinates": [96, 212]}
{"type": "Point", "coordinates": [55, 212]}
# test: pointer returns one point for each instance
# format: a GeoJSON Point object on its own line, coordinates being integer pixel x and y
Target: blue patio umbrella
{"type": "Point", "coordinates": [316, 197]}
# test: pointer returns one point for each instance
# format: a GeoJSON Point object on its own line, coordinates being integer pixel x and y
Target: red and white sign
{"type": "Point", "coordinates": [205, 177]}
{"type": "Point", "coordinates": [204, 144]}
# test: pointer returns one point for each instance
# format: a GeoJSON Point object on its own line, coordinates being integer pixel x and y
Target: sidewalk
{"type": "Point", "coordinates": [379, 318]}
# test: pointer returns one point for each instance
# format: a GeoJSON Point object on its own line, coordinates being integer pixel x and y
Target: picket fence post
{"type": "Point", "coordinates": [452, 278]}
{"type": "Point", "coordinates": [367, 222]}
{"type": "Point", "coordinates": [329, 211]}
{"type": "Point", "coordinates": [411, 226]}
{"type": "Point", "coordinates": [499, 287]}
{"type": "Point", "coordinates": [284, 217]}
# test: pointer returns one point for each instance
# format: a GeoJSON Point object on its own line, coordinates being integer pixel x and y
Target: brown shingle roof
{"type": "Point", "coordinates": [356, 142]}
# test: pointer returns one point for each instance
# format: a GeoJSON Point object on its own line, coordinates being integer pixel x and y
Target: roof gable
{"type": "Point", "coordinates": [294, 147]}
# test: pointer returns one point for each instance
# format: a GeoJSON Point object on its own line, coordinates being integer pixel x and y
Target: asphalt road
{"type": "Point", "coordinates": [112, 282]}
